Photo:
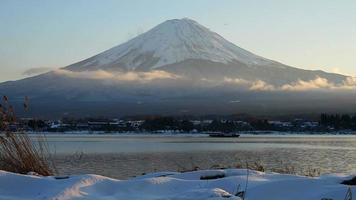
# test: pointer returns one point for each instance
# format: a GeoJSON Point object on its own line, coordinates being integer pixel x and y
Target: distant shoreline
{"type": "Point", "coordinates": [202, 134]}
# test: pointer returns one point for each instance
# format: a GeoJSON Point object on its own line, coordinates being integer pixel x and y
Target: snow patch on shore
{"type": "Point", "coordinates": [174, 186]}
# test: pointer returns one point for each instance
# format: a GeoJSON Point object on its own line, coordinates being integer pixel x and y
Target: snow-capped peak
{"type": "Point", "coordinates": [171, 42]}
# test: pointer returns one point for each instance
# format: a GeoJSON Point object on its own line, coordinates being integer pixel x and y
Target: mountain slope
{"type": "Point", "coordinates": [187, 48]}
{"type": "Point", "coordinates": [196, 63]}
{"type": "Point", "coordinates": [171, 42]}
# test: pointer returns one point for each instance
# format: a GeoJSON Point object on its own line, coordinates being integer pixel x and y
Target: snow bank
{"type": "Point", "coordinates": [174, 186]}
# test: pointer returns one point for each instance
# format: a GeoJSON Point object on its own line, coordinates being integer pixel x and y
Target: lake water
{"type": "Point", "coordinates": [125, 156]}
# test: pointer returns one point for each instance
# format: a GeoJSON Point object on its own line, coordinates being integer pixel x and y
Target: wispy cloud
{"type": "Point", "coordinates": [261, 86]}
{"type": "Point", "coordinates": [336, 70]}
{"type": "Point", "coordinates": [237, 81]}
{"type": "Point", "coordinates": [36, 71]}
{"type": "Point", "coordinates": [321, 83]}
{"type": "Point", "coordinates": [349, 83]}
{"type": "Point", "coordinates": [318, 83]}
{"type": "Point", "coordinates": [118, 76]}
{"type": "Point", "coordinates": [257, 85]}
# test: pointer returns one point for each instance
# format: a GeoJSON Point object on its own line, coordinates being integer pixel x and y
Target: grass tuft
{"type": "Point", "coordinates": [18, 152]}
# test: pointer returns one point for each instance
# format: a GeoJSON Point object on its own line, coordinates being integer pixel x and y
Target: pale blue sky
{"type": "Point", "coordinates": [317, 34]}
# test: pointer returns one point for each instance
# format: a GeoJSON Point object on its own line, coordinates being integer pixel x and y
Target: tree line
{"type": "Point", "coordinates": [338, 121]}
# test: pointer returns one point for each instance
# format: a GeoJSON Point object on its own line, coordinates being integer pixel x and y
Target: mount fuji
{"type": "Point", "coordinates": [180, 66]}
{"type": "Point", "coordinates": [171, 42]}
{"type": "Point", "coordinates": [184, 47]}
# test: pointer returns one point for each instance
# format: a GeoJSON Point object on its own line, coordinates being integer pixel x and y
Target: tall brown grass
{"type": "Point", "coordinates": [19, 152]}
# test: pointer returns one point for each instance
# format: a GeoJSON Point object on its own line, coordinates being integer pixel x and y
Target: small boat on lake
{"type": "Point", "coordinates": [221, 134]}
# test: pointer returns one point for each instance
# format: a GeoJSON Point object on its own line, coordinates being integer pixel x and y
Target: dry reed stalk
{"type": "Point", "coordinates": [18, 152]}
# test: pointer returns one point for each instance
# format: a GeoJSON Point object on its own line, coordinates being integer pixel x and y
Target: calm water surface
{"type": "Point", "coordinates": [124, 156]}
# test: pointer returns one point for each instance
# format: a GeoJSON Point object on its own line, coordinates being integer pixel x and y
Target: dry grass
{"type": "Point", "coordinates": [18, 153]}
{"type": "Point", "coordinates": [255, 165]}
{"type": "Point", "coordinates": [283, 168]}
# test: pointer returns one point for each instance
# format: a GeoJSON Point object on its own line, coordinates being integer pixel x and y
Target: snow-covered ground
{"type": "Point", "coordinates": [175, 186]}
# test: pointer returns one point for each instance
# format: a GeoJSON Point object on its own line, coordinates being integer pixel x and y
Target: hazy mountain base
{"type": "Point", "coordinates": [54, 96]}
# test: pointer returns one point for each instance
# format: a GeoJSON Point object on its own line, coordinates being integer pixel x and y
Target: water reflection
{"type": "Point", "coordinates": [126, 156]}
